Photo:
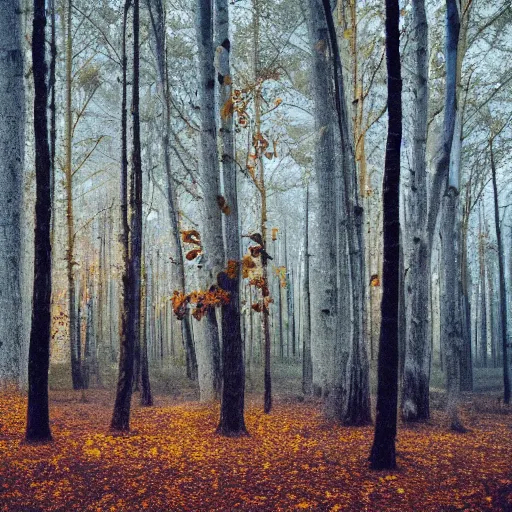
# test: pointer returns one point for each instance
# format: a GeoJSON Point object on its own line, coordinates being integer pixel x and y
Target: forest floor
{"type": "Point", "coordinates": [293, 460]}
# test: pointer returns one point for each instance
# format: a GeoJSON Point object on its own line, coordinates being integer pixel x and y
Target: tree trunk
{"type": "Point", "coordinates": [307, 365]}
{"type": "Point", "coordinates": [416, 375]}
{"type": "Point", "coordinates": [503, 295]}
{"type": "Point", "coordinates": [156, 11]}
{"type": "Point", "coordinates": [131, 236]}
{"type": "Point", "coordinates": [323, 283]}
{"type": "Point", "coordinates": [146, 397]}
{"type": "Point", "coordinates": [38, 423]}
{"type": "Point", "coordinates": [12, 151]}
{"type": "Point", "coordinates": [383, 455]}
{"type": "Point", "coordinates": [354, 376]}
{"type": "Point", "coordinates": [207, 347]}
{"type": "Point", "coordinates": [76, 371]}
{"type": "Point", "coordinates": [451, 321]}
{"type": "Point", "coordinates": [233, 369]}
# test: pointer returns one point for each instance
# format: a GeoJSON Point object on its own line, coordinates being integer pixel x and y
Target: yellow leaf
{"type": "Point", "coordinates": [400, 490]}
{"type": "Point", "coordinates": [347, 34]}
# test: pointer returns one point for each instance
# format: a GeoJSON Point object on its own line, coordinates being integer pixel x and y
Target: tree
{"type": "Point", "coordinates": [207, 349]}
{"type": "Point", "coordinates": [12, 147]}
{"type": "Point", "coordinates": [324, 291]}
{"type": "Point", "coordinates": [132, 280]}
{"type": "Point", "coordinates": [383, 455]}
{"type": "Point", "coordinates": [307, 366]}
{"type": "Point", "coordinates": [74, 346]}
{"type": "Point", "coordinates": [355, 382]}
{"type": "Point", "coordinates": [233, 375]}
{"type": "Point", "coordinates": [417, 244]}
{"type": "Point", "coordinates": [501, 266]}
{"type": "Point", "coordinates": [451, 317]}
{"type": "Point", "coordinates": [38, 422]}
{"type": "Point", "coordinates": [157, 16]}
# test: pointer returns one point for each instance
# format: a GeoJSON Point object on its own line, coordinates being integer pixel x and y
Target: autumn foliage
{"type": "Point", "coordinates": [201, 300]}
{"type": "Point", "coordinates": [293, 460]}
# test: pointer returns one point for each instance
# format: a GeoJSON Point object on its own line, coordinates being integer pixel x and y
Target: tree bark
{"type": "Point", "coordinates": [451, 318]}
{"type": "Point", "coordinates": [157, 15]}
{"type": "Point", "coordinates": [354, 377]}
{"type": "Point", "coordinates": [38, 422]}
{"type": "Point", "coordinates": [383, 455]}
{"type": "Point", "coordinates": [307, 365]}
{"type": "Point", "coordinates": [416, 374]}
{"type": "Point", "coordinates": [323, 284]}
{"type": "Point", "coordinates": [231, 421]}
{"type": "Point", "coordinates": [12, 151]}
{"type": "Point", "coordinates": [76, 371]}
{"type": "Point", "coordinates": [503, 294]}
{"type": "Point", "coordinates": [131, 241]}
{"type": "Point", "coordinates": [207, 346]}
{"type": "Point", "coordinates": [146, 397]}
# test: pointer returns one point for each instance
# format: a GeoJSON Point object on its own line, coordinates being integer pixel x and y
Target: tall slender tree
{"type": "Point", "coordinates": [132, 236]}
{"type": "Point", "coordinates": [501, 267]}
{"type": "Point", "coordinates": [157, 16]}
{"type": "Point", "coordinates": [354, 380]}
{"type": "Point", "coordinates": [383, 454]}
{"type": "Point", "coordinates": [417, 249]}
{"type": "Point", "coordinates": [12, 148]}
{"type": "Point", "coordinates": [233, 375]}
{"type": "Point", "coordinates": [74, 349]}
{"type": "Point", "coordinates": [38, 421]}
{"type": "Point", "coordinates": [207, 346]}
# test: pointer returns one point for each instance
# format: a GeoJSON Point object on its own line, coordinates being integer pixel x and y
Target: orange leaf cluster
{"type": "Point", "coordinates": [223, 205]}
{"type": "Point", "coordinates": [232, 269]}
{"type": "Point", "coordinates": [281, 274]}
{"type": "Point", "coordinates": [179, 304]}
{"type": "Point", "coordinates": [191, 236]}
{"type": "Point", "coordinates": [248, 265]}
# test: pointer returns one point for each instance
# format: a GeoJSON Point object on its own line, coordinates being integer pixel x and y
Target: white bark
{"type": "Point", "coordinates": [12, 143]}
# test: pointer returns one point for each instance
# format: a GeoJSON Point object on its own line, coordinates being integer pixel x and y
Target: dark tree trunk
{"type": "Point", "coordinates": [146, 397]}
{"type": "Point", "coordinates": [232, 421]}
{"type": "Point", "coordinates": [38, 423]}
{"type": "Point", "coordinates": [307, 365]}
{"type": "Point", "coordinates": [503, 293]}
{"type": "Point", "coordinates": [233, 368]}
{"type": "Point", "coordinates": [121, 415]}
{"type": "Point", "coordinates": [383, 454]}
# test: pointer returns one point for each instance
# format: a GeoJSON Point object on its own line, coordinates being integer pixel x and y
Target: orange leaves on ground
{"type": "Point", "coordinates": [293, 460]}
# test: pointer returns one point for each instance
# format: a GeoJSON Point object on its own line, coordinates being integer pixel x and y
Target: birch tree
{"type": "Point", "coordinates": [12, 147]}
{"type": "Point", "coordinates": [207, 341]}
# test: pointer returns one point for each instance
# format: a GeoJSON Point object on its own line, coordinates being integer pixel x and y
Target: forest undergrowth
{"type": "Point", "coordinates": [293, 460]}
